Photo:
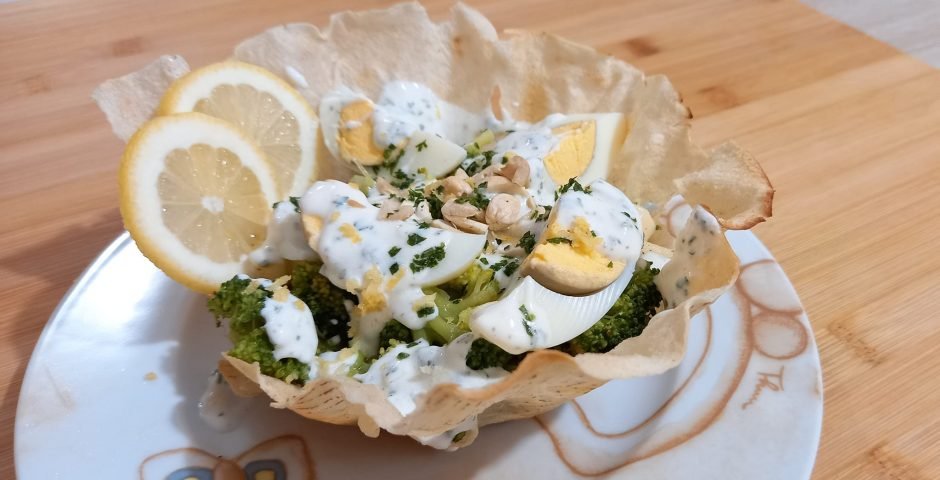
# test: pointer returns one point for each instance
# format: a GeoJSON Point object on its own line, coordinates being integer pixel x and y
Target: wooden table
{"type": "Point", "coordinates": [847, 128]}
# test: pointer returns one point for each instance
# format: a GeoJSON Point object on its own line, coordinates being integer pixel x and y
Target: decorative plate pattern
{"type": "Point", "coordinates": [113, 386]}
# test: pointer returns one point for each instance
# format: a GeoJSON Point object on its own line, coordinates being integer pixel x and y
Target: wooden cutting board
{"type": "Point", "coordinates": [847, 128]}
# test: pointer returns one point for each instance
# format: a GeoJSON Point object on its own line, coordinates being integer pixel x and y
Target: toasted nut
{"type": "Point", "coordinates": [405, 211]}
{"type": "Point", "coordinates": [498, 184]}
{"type": "Point", "coordinates": [388, 208]}
{"type": "Point", "coordinates": [452, 210]}
{"type": "Point", "coordinates": [516, 170]}
{"type": "Point", "coordinates": [456, 186]}
{"type": "Point", "coordinates": [423, 212]}
{"type": "Point", "coordinates": [444, 225]}
{"type": "Point", "coordinates": [485, 174]}
{"type": "Point", "coordinates": [383, 186]}
{"type": "Point", "coordinates": [503, 211]}
{"type": "Point", "coordinates": [469, 226]}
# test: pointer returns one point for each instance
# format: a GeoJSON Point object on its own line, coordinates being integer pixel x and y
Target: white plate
{"type": "Point", "coordinates": [112, 388]}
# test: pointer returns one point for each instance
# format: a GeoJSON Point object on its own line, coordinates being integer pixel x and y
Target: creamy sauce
{"type": "Point", "coordinates": [501, 264]}
{"type": "Point", "coordinates": [406, 372]}
{"type": "Point", "coordinates": [289, 325]}
{"type": "Point", "coordinates": [445, 441]}
{"type": "Point", "coordinates": [285, 240]}
{"type": "Point", "coordinates": [696, 239]}
{"type": "Point", "coordinates": [611, 215]}
{"type": "Point", "coordinates": [404, 108]}
{"type": "Point", "coordinates": [219, 407]}
{"type": "Point", "coordinates": [357, 248]}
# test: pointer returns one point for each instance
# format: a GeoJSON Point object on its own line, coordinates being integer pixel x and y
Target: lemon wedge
{"type": "Point", "coordinates": [264, 107]}
{"type": "Point", "coordinates": [196, 196]}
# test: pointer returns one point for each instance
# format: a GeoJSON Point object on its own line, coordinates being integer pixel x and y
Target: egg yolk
{"type": "Point", "coordinates": [356, 133]}
{"type": "Point", "coordinates": [574, 152]}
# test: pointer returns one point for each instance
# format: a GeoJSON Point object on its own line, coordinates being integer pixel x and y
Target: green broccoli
{"type": "Point", "coordinates": [246, 330]}
{"type": "Point", "coordinates": [325, 301]}
{"type": "Point", "coordinates": [456, 298]}
{"type": "Point", "coordinates": [626, 318]}
{"type": "Point", "coordinates": [484, 354]}
{"type": "Point", "coordinates": [394, 333]}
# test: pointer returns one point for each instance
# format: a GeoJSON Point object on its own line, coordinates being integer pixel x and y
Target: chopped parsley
{"type": "Point", "coordinates": [480, 161]}
{"type": "Point", "coordinates": [391, 155]}
{"type": "Point", "coordinates": [402, 355]}
{"type": "Point", "coordinates": [425, 311]}
{"type": "Point", "coordinates": [421, 146]}
{"type": "Point", "coordinates": [477, 197]}
{"type": "Point", "coordinates": [629, 216]}
{"type": "Point", "coordinates": [527, 319]}
{"type": "Point", "coordinates": [428, 258]}
{"type": "Point", "coordinates": [393, 251]}
{"type": "Point", "coordinates": [414, 239]}
{"type": "Point", "coordinates": [527, 242]}
{"type": "Point", "coordinates": [557, 240]}
{"type": "Point", "coordinates": [610, 264]}
{"type": "Point", "coordinates": [593, 233]}
{"type": "Point", "coordinates": [484, 261]}
{"type": "Point", "coordinates": [393, 268]}
{"type": "Point", "coordinates": [575, 186]}
{"type": "Point", "coordinates": [296, 202]}
{"type": "Point", "coordinates": [541, 217]}
{"type": "Point", "coordinates": [511, 268]}
{"type": "Point", "coordinates": [401, 180]}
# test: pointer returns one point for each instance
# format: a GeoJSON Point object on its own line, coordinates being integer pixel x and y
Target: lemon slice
{"type": "Point", "coordinates": [269, 111]}
{"type": "Point", "coordinates": [196, 196]}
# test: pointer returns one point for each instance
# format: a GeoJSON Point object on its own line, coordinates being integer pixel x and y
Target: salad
{"type": "Point", "coordinates": [390, 257]}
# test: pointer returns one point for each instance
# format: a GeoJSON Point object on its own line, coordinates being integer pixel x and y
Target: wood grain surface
{"type": "Point", "coordinates": [847, 128]}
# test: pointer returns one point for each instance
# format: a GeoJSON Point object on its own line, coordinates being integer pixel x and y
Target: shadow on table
{"type": "Point", "coordinates": [54, 264]}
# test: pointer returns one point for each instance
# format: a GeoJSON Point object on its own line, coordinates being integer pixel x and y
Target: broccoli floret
{"type": "Point", "coordinates": [454, 299]}
{"type": "Point", "coordinates": [626, 318]}
{"type": "Point", "coordinates": [246, 330]}
{"type": "Point", "coordinates": [394, 333]}
{"type": "Point", "coordinates": [484, 354]}
{"type": "Point", "coordinates": [325, 301]}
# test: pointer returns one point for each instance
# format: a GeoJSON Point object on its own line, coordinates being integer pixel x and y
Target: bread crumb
{"type": "Point", "coordinates": [150, 376]}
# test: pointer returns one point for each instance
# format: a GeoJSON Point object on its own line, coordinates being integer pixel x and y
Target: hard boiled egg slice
{"type": "Point", "coordinates": [586, 145]}
{"type": "Point", "coordinates": [346, 122]}
{"type": "Point", "coordinates": [433, 153]}
{"type": "Point", "coordinates": [532, 317]}
{"type": "Point", "coordinates": [593, 235]}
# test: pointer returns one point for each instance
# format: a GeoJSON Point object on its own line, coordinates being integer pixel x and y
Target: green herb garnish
{"type": "Point", "coordinates": [428, 258]}
{"type": "Point", "coordinates": [414, 239]}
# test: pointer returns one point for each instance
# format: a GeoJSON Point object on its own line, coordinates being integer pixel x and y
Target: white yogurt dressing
{"type": "Point", "coordinates": [285, 240]}
{"type": "Point", "coordinates": [347, 261]}
{"type": "Point", "coordinates": [406, 372]}
{"type": "Point", "coordinates": [500, 264]}
{"type": "Point", "coordinates": [611, 215]}
{"type": "Point", "coordinates": [697, 238]}
{"type": "Point", "coordinates": [532, 144]}
{"type": "Point", "coordinates": [219, 407]}
{"type": "Point", "coordinates": [404, 108]}
{"type": "Point", "coordinates": [445, 440]}
{"type": "Point", "coordinates": [289, 325]}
